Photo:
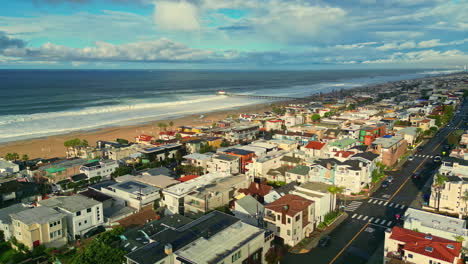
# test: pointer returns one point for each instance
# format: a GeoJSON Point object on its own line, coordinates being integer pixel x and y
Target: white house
{"type": "Point", "coordinates": [8, 166]}
{"type": "Point", "coordinates": [103, 168]}
{"type": "Point", "coordinates": [324, 201]}
{"type": "Point", "coordinates": [82, 213]}
{"type": "Point", "coordinates": [136, 194]}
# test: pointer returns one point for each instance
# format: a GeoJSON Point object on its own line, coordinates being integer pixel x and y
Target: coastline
{"type": "Point", "coordinates": [52, 146]}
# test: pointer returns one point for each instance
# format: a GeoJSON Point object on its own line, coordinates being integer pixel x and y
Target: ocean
{"type": "Point", "coordinates": [38, 103]}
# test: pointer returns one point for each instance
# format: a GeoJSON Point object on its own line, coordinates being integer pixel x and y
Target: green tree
{"type": "Point", "coordinates": [315, 117]}
{"type": "Point", "coordinates": [103, 249]}
{"type": "Point", "coordinates": [225, 143]}
{"type": "Point", "coordinates": [120, 171]}
{"type": "Point", "coordinates": [171, 124]}
{"type": "Point", "coordinates": [465, 199]}
{"type": "Point", "coordinates": [351, 107]}
{"type": "Point", "coordinates": [178, 156]}
{"type": "Point", "coordinates": [439, 183]}
{"type": "Point", "coordinates": [25, 157]}
{"type": "Point", "coordinates": [85, 143]}
{"type": "Point", "coordinates": [178, 136]}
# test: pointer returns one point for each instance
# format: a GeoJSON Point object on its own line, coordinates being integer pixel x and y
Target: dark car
{"type": "Point", "coordinates": [324, 241]}
{"type": "Point", "coordinates": [437, 159]}
{"type": "Point", "coordinates": [417, 175]}
{"type": "Point", "coordinates": [420, 149]}
{"type": "Point", "coordinates": [385, 184]}
{"type": "Point", "coordinates": [94, 231]}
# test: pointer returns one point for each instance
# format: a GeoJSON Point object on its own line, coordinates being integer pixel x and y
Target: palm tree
{"type": "Point", "coordinates": [439, 182]}
{"type": "Point", "coordinates": [465, 199]}
{"type": "Point", "coordinates": [334, 190]}
{"type": "Point", "coordinates": [25, 157]}
{"type": "Point", "coordinates": [171, 124]}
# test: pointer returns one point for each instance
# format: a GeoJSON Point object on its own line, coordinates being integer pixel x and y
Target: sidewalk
{"type": "Point", "coordinates": [311, 242]}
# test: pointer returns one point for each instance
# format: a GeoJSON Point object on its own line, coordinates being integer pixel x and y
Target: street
{"type": "Point", "coordinates": [359, 236]}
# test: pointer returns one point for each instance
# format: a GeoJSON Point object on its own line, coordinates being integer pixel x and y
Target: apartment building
{"type": "Point", "coordinates": [454, 167]}
{"type": "Point", "coordinates": [448, 198]}
{"type": "Point", "coordinates": [213, 238]}
{"type": "Point", "coordinates": [303, 138]}
{"type": "Point", "coordinates": [5, 219]}
{"type": "Point", "coordinates": [438, 225]}
{"type": "Point", "coordinates": [408, 246]}
{"type": "Point", "coordinates": [160, 153]}
{"type": "Point", "coordinates": [224, 163]}
{"type": "Point", "coordinates": [290, 218]}
{"type": "Point", "coordinates": [261, 165]}
{"type": "Point", "coordinates": [391, 149]}
{"type": "Point", "coordinates": [198, 160]}
{"type": "Point", "coordinates": [82, 213]}
{"type": "Point", "coordinates": [102, 168]}
{"type": "Point", "coordinates": [243, 133]}
{"type": "Point", "coordinates": [40, 226]}
{"type": "Point", "coordinates": [367, 134]}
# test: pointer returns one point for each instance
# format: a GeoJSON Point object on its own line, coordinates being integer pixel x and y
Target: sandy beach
{"type": "Point", "coordinates": [52, 146]}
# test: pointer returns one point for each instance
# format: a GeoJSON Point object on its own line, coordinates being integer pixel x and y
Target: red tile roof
{"type": "Point", "coordinates": [417, 242]}
{"type": "Point", "coordinates": [290, 204]}
{"type": "Point", "coordinates": [344, 154]}
{"type": "Point", "coordinates": [187, 178]}
{"type": "Point", "coordinates": [315, 145]}
{"type": "Point", "coordinates": [256, 188]}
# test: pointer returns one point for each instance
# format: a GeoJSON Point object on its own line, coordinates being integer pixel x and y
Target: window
{"type": "Point", "coordinates": [410, 255]}
{"type": "Point", "coordinates": [289, 232]}
{"type": "Point", "coordinates": [85, 221]}
{"type": "Point", "coordinates": [236, 256]}
{"type": "Point", "coordinates": [278, 217]}
{"type": "Point", "coordinates": [51, 235]}
{"type": "Point", "coordinates": [289, 220]}
{"type": "Point", "coordinates": [78, 213]}
{"type": "Point", "coordinates": [298, 217]}
{"type": "Point", "coordinates": [58, 222]}
{"type": "Point", "coordinates": [79, 224]}
{"type": "Point", "coordinates": [51, 224]}
{"type": "Point", "coordinates": [88, 210]}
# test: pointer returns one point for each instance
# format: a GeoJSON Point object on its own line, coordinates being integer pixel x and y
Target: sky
{"type": "Point", "coordinates": [233, 34]}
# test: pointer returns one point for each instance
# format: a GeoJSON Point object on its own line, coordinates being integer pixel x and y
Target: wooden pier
{"type": "Point", "coordinates": [265, 97]}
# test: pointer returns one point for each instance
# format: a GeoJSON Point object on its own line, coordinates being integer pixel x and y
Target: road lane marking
{"type": "Point", "coordinates": [349, 243]}
{"type": "Point", "coordinates": [402, 206]}
{"type": "Point", "coordinates": [365, 218]}
{"type": "Point", "coordinates": [389, 223]}
{"type": "Point", "coordinates": [391, 205]}
{"type": "Point", "coordinates": [360, 216]}
{"type": "Point", "coordinates": [354, 215]}
{"type": "Point", "coordinates": [407, 179]}
{"type": "Point", "coordinates": [380, 202]}
{"type": "Point", "coordinates": [385, 204]}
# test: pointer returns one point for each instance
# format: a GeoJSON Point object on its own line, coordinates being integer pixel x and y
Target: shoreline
{"type": "Point", "coordinates": [52, 146]}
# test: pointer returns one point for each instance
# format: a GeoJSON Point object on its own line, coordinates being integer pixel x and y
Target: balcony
{"type": "Point", "coordinates": [270, 218]}
{"type": "Point", "coordinates": [394, 257]}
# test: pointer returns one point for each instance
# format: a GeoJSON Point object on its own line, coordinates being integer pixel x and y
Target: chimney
{"type": "Point", "coordinates": [168, 249]}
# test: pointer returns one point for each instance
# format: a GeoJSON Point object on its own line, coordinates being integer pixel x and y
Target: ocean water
{"type": "Point", "coordinates": [37, 103]}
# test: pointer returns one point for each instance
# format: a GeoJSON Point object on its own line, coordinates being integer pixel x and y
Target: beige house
{"type": "Point", "coordinates": [224, 163]}
{"type": "Point", "coordinates": [449, 197]}
{"type": "Point", "coordinates": [324, 201]}
{"type": "Point", "coordinates": [412, 247]}
{"type": "Point", "coordinates": [40, 226]}
{"type": "Point", "coordinates": [291, 218]}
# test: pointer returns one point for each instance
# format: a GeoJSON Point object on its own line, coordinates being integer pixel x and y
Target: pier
{"type": "Point", "coordinates": [254, 96]}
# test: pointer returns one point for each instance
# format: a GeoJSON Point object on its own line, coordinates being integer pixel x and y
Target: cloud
{"type": "Point", "coordinates": [176, 15]}
{"type": "Point", "coordinates": [397, 46]}
{"type": "Point", "coordinates": [7, 42]}
{"type": "Point", "coordinates": [428, 58]}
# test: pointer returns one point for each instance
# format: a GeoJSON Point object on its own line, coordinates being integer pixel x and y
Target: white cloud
{"type": "Point", "coordinates": [397, 46]}
{"type": "Point", "coordinates": [430, 43]}
{"type": "Point", "coordinates": [356, 45]}
{"type": "Point", "coordinates": [176, 15]}
{"type": "Point", "coordinates": [427, 58]}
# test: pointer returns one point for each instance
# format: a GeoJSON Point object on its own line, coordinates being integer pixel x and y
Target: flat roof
{"type": "Point", "coordinates": [41, 215]}
{"type": "Point", "coordinates": [159, 181]}
{"type": "Point", "coordinates": [387, 142]}
{"type": "Point", "coordinates": [197, 156]}
{"type": "Point", "coordinates": [188, 186]}
{"type": "Point", "coordinates": [435, 221]}
{"type": "Point", "coordinates": [135, 187]}
{"type": "Point", "coordinates": [72, 203]}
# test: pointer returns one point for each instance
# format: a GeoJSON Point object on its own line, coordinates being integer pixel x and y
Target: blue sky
{"type": "Point", "coordinates": [234, 34]}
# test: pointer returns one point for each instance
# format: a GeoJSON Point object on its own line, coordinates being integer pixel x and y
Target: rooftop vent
{"type": "Point", "coordinates": [450, 246]}
{"type": "Point", "coordinates": [429, 237]}
{"type": "Point", "coordinates": [429, 249]}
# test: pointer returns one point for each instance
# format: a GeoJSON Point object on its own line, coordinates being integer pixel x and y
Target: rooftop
{"type": "Point", "coordinates": [135, 187]}
{"type": "Point", "coordinates": [160, 181]}
{"type": "Point", "coordinates": [250, 204]}
{"type": "Point", "coordinates": [188, 186]}
{"type": "Point", "coordinates": [316, 186]}
{"type": "Point", "coordinates": [5, 212]}
{"type": "Point", "coordinates": [72, 203]}
{"type": "Point", "coordinates": [300, 169]}
{"type": "Point", "coordinates": [197, 156]}
{"type": "Point", "coordinates": [315, 145]}
{"type": "Point", "coordinates": [386, 142]}
{"type": "Point", "coordinates": [417, 242]}
{"type": "Point", "coordinates": [436, 221]}
{"type": "Point", "coordinates": [256, 189]}
{"type": "Point", "coordinates": [225, 157]}
{"type": "Point", "coordinates": [290, 204]}
{"type": "Point", "coordinates": [343, 143]}
{"type": "Point", "coordinates": [40, 215]}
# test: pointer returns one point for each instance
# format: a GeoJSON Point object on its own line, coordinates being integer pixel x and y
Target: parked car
{"type": "Point", "coordinates": [417, 175]}
{"type": "Point", "coordinates": [410, 158]}
{"type": "Point", "coordinates": [390, 179]}
{"type": "Point", "coordinates": [420, 149]}
{"type": "Point", "coordinates": [324, 241]}
{"type": "Point", "coordinates": [385, 184]}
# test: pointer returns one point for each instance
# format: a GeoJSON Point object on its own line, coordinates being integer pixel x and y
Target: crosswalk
{"type": "Point", "coordinates": [372, 220]}
{"type": "Point", "coordinates": [424, 156]}
{"type": "Point", "coordinates": [353, 206]}
{"type": "Point", "coordinates": [387, 204]}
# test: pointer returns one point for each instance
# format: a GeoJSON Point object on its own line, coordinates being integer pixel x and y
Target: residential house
{"type": "Point", "coordinates": [249, 210]}
{"type": "Point", "coordinates": [174, 197]}
{"type": "Point", "coordinates": [260, 166]}
{"type": "Point", "coordinates": [256, 190]}
{"type": "Point", "coordinates": [136, 194]}
{"type": "Point", "coordinates": [448, 198]}
{"type": "Point", "coordinates": [341, 145]}
{"type": "Point", "coordinates": [40, 226]}
{"type": "Point", "coordinates": [245, 156]}
{"type": "Point", "coordinates": [290, 218]}
{"type": "Point", "coordinates": [410, 134]}
{"type": "Point", "coordinates": [102, 168]}
{"type": "Point", "coordinates": [303, 138]}
{"type": "Point", "coordinates": [160, 153]}
{"type": "Point", "coordinates": [12, 191]}
{"type": "Point", "coordinates": [194, 145]}
{"type": "Point", "coordinates": [454, 167]}
{"type": "Point", "coordinates": [198, 160]}
{"type": "Point", "coordinates": [243, 133]}
{"type": "Point", "coordinates": [214, 142]}
{"type": "Point", "coordinates": [273, 125]}
{"type": "Point", "coordinates": [416, 247]}
{"type": "Point", "coordinates": [367, 134]}
{"type": "Point", "coordinates": [299, 173]}
{"type": "Point", "coordinates": [59, 171]}
{"type": "Point", "coordinates": [435, 224]}
{"type": "Point", "coordinates": [217, 194]}
{"type": "Point", "coordinates": [6, 225]}
{"type": "Point", "coordinates": [391, 149]}
{"type": "Point", "coordinates": [213, 238]}
{"type": "Point", "coordinates": [224, 163]}
{"type": "Point", "coordinates": [314, 149]}
{"type": "Point", "coordinates": [8, 167]}
{"type": "Point", "coordinates": [324, 201]}
{"type": "Point", "coordinates": [82, 213]}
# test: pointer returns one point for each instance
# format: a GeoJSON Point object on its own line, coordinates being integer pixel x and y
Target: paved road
{"type": "Point", "coordinates": [357, 238]}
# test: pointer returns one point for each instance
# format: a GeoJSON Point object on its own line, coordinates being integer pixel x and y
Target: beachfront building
{"type": "Point", "coordinates": [213, 238]}
{"type": "Point", "coordinates": [390, 149]}
{"type": "Point", "coordinates": [408, 246]}
{"type": "Point", "coordinates": [136, 194]}
{"type": "Point", "coordinates": [243, 133]}
{"type": "Point", "coordinates": [438, 225]}
{"type": "Point", "coordinates": [40, 226]}
{"type": "Point", "coordinates": [101, 168]}
{"type": "Point", "coordinates": [161, 153]}
{"type": "Point", "coordinates": [82, 213]}
{"type": "Point", "coordinates": [290, 218]}
{"type": "Point", "coordinates": [59, 171]}
{"type": "Point", "coordinates": [8, 167]}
